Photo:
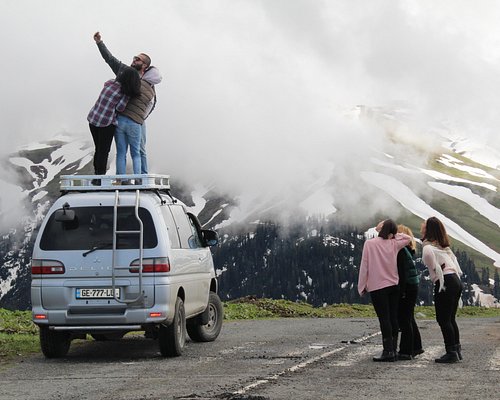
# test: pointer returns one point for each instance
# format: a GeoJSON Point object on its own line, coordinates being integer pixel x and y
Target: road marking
{"type": "Point", "coordinates": [320, 346]}
{"type": "Point", "coordinates": [495, 361]}
{"type": "Point", "coordinates": [300, 366]}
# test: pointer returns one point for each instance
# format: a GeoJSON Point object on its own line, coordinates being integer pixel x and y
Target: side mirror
{"type": "Point", "coordinates": [210, 237]}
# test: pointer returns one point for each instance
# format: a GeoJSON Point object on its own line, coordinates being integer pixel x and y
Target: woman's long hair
{"type": "Point", "coordinates": [436, 232]}
{"type": "Point", "coordinates": [406, 230]}
{"type": "Point", "coordinates": [130, 81]}
{"type": "Point", "coordinates": [388, 227]}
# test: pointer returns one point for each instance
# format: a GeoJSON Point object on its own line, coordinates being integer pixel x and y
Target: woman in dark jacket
{"type": "Point", "coordinates": [411, 342]}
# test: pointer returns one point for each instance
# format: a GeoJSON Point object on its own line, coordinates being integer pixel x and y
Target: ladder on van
{"type": "Point", "coordinates": [116, 232]}
{"type": "Point", "coordinates": [121, 183]}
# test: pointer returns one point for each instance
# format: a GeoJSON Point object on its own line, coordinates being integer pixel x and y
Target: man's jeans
{"type": "Point", "coordinates": [128, 133]}
{"type": "Point", "coordinates": [144, 161]}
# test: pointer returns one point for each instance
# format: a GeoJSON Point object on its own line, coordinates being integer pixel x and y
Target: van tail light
{"type": "Point", "coordinates": [155, 314]}
{"type": "Point", "coordinates": [47, 267]}
{"type": "Point", "coordinates": [156, 264]}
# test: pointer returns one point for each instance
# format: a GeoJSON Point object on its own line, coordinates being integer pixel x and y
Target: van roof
{"type": "Point", "coordinates": [92, 183]}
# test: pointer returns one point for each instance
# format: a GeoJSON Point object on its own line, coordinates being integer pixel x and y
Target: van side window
{"type": "Point", "coordinates": [195, 240]}
{"type": "Point", "coordinates": [187, 232]}
{"type": "Point", "coordinates": [196, 227]}
{"type": "Point", "coordinates": [173, 234]}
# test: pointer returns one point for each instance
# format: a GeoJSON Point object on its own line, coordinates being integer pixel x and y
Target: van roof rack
{"type": "Point", "coordinates": [93, 183]}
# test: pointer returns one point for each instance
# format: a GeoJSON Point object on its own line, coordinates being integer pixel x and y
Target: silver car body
{"type": "Point", "coordinates": [101, 288]}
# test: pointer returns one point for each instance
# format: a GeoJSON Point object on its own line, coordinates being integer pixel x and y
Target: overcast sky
{"type": "Point", "coordinates": [255, 91]}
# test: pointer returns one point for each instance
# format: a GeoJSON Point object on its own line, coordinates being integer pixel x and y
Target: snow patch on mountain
{"type": "Point", "coordinates": [216, 213]}
{"type": "Point", "coordinates": [198, 199]}
{"type": "Point", "coordinates": [19, 238]}
{"type": "Point", "coordinates": [476, 151]}
{"type": "Point", "coordinates": [453, 162]}
{"type": "Point", "coordinates": [485, 300]}
{"type": "Point", "coordinates": [444, 177]}
{"type": "Point", "coordinates": [13, 267]}
{"type": "Point", "coordinates": [467, 196]}
{"type": "Point", "coordinates": [40, 195]}
{"type": "Point", "coordinates": [76, 154]}
{"type": "Point", "coordinates": [395, 167]}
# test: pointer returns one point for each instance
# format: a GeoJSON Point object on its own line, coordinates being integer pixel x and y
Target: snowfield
{"type": "Point", "coordinates": [444, 177]}
{"type": "Point", "coordinates": [453, 162]}
{"type": "Point", "coordinates": [78, 151]}
{"type": "Point", "coordinates": [475, 201]}
{"type": "Point", "coordinates": [476, 151]}
{"type": "Point", "coordinates": [486, 300]}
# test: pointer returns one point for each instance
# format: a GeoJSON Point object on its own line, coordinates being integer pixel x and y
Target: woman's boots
{"type": "Point", "coordinates": [453, 353]}
{"type": "Point", "coordinates": [388, 354]}
{"type": "Point", "coordinates": [385, 356]}
{"type": "Point", "coordinates": [451, 356]}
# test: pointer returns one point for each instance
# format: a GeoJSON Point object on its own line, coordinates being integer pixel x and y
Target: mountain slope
{"type": "Point", "coordinates": [456, 182]}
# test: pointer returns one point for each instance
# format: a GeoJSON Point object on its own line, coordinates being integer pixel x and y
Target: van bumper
{"type": "Point", "coordinates": [98, 314]}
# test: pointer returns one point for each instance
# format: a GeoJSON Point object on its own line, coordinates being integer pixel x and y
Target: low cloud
{"type": "Point", "coordinates": [256, 95]}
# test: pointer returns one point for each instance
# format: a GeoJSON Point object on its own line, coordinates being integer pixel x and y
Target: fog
{"type": "Point", "coordinates": [255, 93]}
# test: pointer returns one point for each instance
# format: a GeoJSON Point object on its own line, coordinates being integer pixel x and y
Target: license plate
{"type": "Point", "coordinates": [94, 293]}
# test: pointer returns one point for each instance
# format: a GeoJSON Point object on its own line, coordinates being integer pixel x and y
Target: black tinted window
{"type": "Point", "coordinates": [93, 226]}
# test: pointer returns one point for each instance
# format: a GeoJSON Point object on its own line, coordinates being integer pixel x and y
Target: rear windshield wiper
{"type": "Point", "coordinates": [98, 246]}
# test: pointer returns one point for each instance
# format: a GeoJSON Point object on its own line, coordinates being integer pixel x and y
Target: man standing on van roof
{"type": "Point", "coordinates": [131, 129]}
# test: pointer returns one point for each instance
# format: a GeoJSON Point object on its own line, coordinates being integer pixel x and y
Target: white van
{"type": "Point", "coordinates": [112, 258]}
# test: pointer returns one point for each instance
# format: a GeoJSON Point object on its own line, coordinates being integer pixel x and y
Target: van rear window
{"type": "Point", "coordinates": [93, 226]}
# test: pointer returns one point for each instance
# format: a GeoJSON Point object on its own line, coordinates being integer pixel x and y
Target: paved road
{"type": "Point", "coordinates": [273, 359]}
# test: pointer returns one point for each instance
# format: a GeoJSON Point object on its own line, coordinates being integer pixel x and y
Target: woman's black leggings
{"type": "Point", "coordinates": [385, 301]}
{"type": "Point", "coordinates": [103, 137]}
{"type": "Point", "coordinates": [446, 303]}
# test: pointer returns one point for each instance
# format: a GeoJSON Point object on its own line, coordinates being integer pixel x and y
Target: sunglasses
{"type": "Point", "coordinates": [137, 58]}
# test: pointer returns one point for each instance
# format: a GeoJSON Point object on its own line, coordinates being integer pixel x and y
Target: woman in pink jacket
{"type": "Point", "coordinates": [378, 275]}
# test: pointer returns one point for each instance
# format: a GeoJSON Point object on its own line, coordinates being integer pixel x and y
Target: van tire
{"type": "Point", "coordinates": [172, 338]}
{"type": "Point", "coordinates": [210, 331]}
{"type": "Point", "coordinates": [54, 344]}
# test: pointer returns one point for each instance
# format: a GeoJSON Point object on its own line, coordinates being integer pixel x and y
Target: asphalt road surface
{"type": "Point", "coordinates": [271, 359]}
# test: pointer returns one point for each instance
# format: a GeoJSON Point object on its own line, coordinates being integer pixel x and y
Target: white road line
{"type": "Point", "coordinates": [300, 366]}
{"type": "Point", "coordinates": [495, 361]}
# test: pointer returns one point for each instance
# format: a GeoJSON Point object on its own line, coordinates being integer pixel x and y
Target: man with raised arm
{"type": "Point", "coordinates": [131, 130]}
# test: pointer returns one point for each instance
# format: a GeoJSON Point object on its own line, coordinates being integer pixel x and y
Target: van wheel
{"type": "Point", "coordinates": [172, 338]}
{"type": "Point", "coordinates": [210, 331]}
{"type": "Point", "coordinates": [54, 344]}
